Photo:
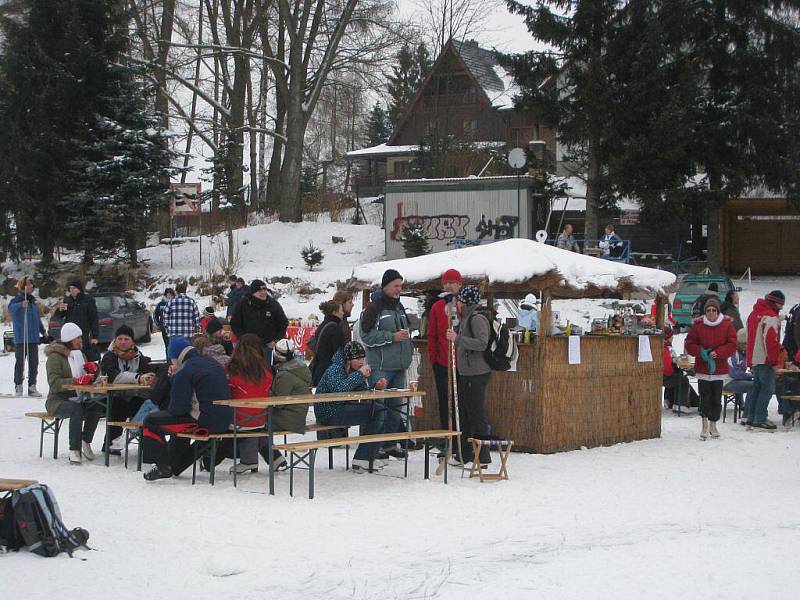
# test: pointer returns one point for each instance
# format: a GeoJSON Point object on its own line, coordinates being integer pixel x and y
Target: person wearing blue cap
{"type": "Point", "coordinates": [197, 381]}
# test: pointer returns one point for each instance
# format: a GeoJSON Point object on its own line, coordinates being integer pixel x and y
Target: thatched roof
{"type": "Point", "coordinates": [518, 266]}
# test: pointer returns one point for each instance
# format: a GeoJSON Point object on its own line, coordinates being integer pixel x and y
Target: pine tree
{"type": "Point", "coordinates": [406, 79]}
{"type": "Point", "coordinates": [415, 241]}
{"type": "Point", "coordinates": [51, 72]}
{"type": "Point", "coordinates": [312, 255]}
{"type": "Point", "coordinates": [379, 128]}
{"type": "Point", "coordinates": [580, 93]}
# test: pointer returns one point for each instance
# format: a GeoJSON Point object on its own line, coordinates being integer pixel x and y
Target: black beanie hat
{"type": "Point", "coordinates": [776, 297]}
{"type": "Point", "coordinates": [257, 285]}
{"type": "Point", "coordinates": [75, 283]}
{"type": "Point", "coordinates": [124, 330]}
{"type": "Point", "coordinates": [213, 326]}
{"type": "Point", "coordinates": [354, 350]}
{"type": "Point", "coordinates": [389, 276]}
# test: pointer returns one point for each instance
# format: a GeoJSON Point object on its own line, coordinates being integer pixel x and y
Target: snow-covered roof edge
{"type": "Point", "coordinates": [522, 264]}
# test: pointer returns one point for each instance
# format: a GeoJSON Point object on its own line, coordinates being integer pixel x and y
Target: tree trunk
{"type": "Point", "coordinates": [290, 203]}
{"type": "Point", "coordinates": [165, 36]}
{"type": "Point", "coordinates": [234, 157]}
{"type": "Point", "coordinates": [713, 214]}
{"type": "Point", "coordinates": [253, 142]}
{"type": "Point", "coordinates": [592, 222]}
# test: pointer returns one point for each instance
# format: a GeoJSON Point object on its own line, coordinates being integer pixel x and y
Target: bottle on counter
{"type": "Point", "coordinates": [568, 330]}
{"type": "Point", "coordinates": [526, 338]}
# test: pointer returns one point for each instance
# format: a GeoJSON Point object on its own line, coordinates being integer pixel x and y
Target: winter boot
{"type": "Point", "coordinates": [158, 473]}
{"type": "Point", "coordinates": [242, 468]}
{"type": "Point", "coordinates": [712, 429]}
{"type": "Point", "coordinates": [75, 457]}
{"type": "Point", "coordinates": [18, 390]}
{"type": "Point", "coordinates": [704, 432]}
{"type": "Point", "coordinates": [87, 450]}
{"type": "Point", "coordinates": [33, 392]}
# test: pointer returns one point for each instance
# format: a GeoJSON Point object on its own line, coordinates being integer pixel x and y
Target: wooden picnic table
{"type": "Point", "coordinates": [14, 485]}
{"type": "Point", "coordinates": [268, 403]}
{"type": "Point", "coordinates": [108, 390]}
{"type": "Point", "coordinates": [780, 372]}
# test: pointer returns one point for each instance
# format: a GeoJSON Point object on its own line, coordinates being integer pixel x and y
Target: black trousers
{"type": "Point", "coordinates": [440, 377]}
{"type": "Point", "coordinates": [122, 409]}
{"type": "Point", "coordinates": [33, 363]}
{"type": "Point", "coordinates": [83, 421]}
{"type": "Point", "coordinates": [472, 413]}
{"type": "Point", "coordinates": [671, 384]}
{"type": "Point", "coordinates": [710, 399]}
{"type": "Point", "coordinates": [165, 337]}
{"type": "Point", "coordinates": [155, 449]}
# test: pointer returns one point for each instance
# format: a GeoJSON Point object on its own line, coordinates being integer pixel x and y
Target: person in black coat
{"type": "Point", "coordinates": [330, 337]}
{"type": "Point", "coordinates": [80, 308]}
{"type": "Point", "coordinates": [261, 314]}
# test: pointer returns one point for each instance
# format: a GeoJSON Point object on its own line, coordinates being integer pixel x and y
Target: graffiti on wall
{"type": "Point", "coordinates": [450, 227]}
{"type": "Point", "coordinates": [501, 229]}
{"type": "Point", "coordinates": [437, 227]}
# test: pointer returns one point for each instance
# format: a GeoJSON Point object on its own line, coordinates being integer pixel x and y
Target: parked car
{"type": "Point", "coordinates": [691, 288]}
{"type": "Point", "coordinates": [114, 309]}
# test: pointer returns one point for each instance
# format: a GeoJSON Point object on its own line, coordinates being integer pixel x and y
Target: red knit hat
{"type": "Point", "coordinates": [451, 275]}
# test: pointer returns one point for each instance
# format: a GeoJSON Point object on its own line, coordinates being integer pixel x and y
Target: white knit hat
{"type": "Point", "coordinates": [70, 331]}
{"type": "Point", "coordinates": [284, 350]}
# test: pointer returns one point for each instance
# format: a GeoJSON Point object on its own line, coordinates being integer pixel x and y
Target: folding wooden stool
{"type": "Point", "coordinates": [503, 447]}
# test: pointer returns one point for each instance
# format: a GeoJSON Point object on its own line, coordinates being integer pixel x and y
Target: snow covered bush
{"type": "Point", "coordinates": [312, 255]}
{"type": "Point", "coordinates": [415, 242]}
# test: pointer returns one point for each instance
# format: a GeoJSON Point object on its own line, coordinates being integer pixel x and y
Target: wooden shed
{"type": "Point", "coordinates": [547, 404]}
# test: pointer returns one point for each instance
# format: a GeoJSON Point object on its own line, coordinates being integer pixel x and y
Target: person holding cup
{"type": "Point", "coordinates": [385, 333]}
{"type": "Point", "coordinates": [124, 363]}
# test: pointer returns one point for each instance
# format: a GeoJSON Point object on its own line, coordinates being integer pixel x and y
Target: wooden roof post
{"type": "Point", "coordinates": [660, 299]}
{"type": "Point", "coordinates": [545, 315]}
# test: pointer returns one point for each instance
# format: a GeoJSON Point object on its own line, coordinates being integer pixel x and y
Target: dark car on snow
{"type": "Point", "coordinates": [114, 309]}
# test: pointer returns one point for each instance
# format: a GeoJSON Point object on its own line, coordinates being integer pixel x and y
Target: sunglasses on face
{"type": "Point", "coordinates": [714, 310]}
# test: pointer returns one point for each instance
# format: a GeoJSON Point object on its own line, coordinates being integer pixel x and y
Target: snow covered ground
{"type": "Point", "coordinates": [665, 518]}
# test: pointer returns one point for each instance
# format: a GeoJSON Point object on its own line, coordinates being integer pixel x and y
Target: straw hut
{"type": "Point", "coordinates": [547, 404]}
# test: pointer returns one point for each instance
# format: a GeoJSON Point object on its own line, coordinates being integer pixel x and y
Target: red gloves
{"type": "Point", "coordinates": [83, 380]}
{"type": "Point", "coordinates": [90, 367]}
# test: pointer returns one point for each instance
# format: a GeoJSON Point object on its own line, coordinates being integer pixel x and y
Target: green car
{"type": "Point", "coordinates": [691, 288]}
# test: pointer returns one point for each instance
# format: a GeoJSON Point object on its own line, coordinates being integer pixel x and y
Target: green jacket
{"type": "Point", "coordinates": [381, 319]}
{"type": "Point", "coordinates": [292, 378]}
{"type": "Point", "coordinates": [58, 374]}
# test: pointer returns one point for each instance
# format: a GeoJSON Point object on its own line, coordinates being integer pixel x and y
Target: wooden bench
{"type": "Point", "coordinates": [14, 485]}
{"type": "Point", "coordinates": [791, 399]}
{"type": "Point", "coordinates": [133, 431]}
{"type": "Point", "coordinates": [304, 453]}
{"type": "Point", "coordinates": [206, 445]}
{"type": "Point", "coordinates": [47, 423]}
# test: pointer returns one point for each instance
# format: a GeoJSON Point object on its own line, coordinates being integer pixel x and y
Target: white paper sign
{"type": "Point", "coordinates": [645, 354]}
{"type": "Point", "coordinates": [574, 349]}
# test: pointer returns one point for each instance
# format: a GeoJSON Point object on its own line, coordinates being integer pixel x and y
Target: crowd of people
{"type": "Point", "coordinates": [249, 356]}
{"type": "Point", "coordinates": [740, 358]}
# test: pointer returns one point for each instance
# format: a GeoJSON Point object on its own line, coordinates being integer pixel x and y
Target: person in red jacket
{"type": "Point", "coordinates": [249, 377]}
{"type": "Point", "coordinates": [438, 346]}
{"type": "Point", "coordinates": [711, 340]}
{"type": "Point", "coordinates": [763, 350]}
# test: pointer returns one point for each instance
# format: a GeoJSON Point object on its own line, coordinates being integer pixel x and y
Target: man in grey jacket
{"type": "Point", "coordinates": [386, 336]}
{"type": "Point", "coordinates": [473, 371]}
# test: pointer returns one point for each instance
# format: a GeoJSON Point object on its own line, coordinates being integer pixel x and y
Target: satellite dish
{"type": "Point", "coordinates": [541, 236]}
{"type": "Point", "coordinates": [517, 158]}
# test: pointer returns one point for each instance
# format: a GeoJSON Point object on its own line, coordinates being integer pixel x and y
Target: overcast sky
{"type": "Point", "coordinates": [503, 31]}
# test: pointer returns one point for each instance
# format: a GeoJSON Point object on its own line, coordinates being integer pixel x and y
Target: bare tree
{"type": "Point", "coordinates": [452, 19]}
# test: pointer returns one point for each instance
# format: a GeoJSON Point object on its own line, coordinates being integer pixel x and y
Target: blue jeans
{"type": "Point", "coordinates": [740, 387]}
{"type": "Point", "coordinates": [763, 388]}
{"type": "Point", "coordinates": [145, 409]}
{"type": "Point", "coordinates": [394, 418]}
{"type": "Point", "coordinates": [371, 418]}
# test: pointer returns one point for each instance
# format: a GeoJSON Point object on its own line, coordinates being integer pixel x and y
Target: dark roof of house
{"type": "Point", "coordinates": [482, 64]}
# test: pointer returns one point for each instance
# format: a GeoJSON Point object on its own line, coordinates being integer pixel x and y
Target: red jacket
{"type": "Point", "coordinates": [720, 338]}
{"type": "Point", "coordinates": [763, 331]}
{"type": "Point", "coordinates": [668, 368]}
{"type": "Point", "coordinates": [242, 389]}
{"type": "Point", "coordinates": [437, 338]}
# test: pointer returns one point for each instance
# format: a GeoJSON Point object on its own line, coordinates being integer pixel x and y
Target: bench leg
{"type": "Point", "coordinates": [194, 463]}
{"type": "Point", "coordinates": [213, 461]}
{"type": "Point", "coordinates": [139, 437]}
{"type": "Point", "coordinates": [292, 457]}
{"type": "Point", "coordinates": [347, 458]}
{"type": "Point", "coordinates": [311, 460]}
{"type": "Point", "coordinates": [127, 441]}
{"type": "Point", "coordinates": [447, 451]}
{"type": "Point", "coordinates": [56, 428]}
{"type": "Point", "coordinates": [427, 457]}
{"type": "Point", "coordinates": [41, 439]}
{"type": "Point", "coordinates": [330, 458]}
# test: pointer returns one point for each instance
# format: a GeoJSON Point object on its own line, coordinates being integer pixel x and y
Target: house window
{"type": "Point", "coordinates": [401, 169]}
{"type": "Point", "coordinates": [470, 125]}
{"type": "Point", "coordinates": [471, 95]}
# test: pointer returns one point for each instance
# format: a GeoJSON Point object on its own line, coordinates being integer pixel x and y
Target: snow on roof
{"type": "Point", "coordinates": [518, 261]}
{"type": "Point", "coordinates": [504, 99]}
{"type": "Point", "coordinates": [495, 81]}
{"type": "Point", "coordinates": [383, 150]}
